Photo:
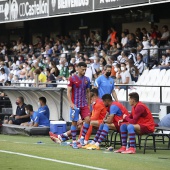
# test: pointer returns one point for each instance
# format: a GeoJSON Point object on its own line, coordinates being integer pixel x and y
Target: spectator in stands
{"type": "Point", "coordinates": [97, 36]}
{"type": "Point", "coordinates": [103, 61]}
{"type": "Point", "coordinates": [165, 36]}
{"type": "Point", "coordinates": [153, 33]}
{"type": "Point", "coordinates": [47, 61]}
{"type": "Point", "coordinates": [145, 42]}
{"type": "Point", "coordinates": [123, 57]}
{"type": "Point", "coordinates": [108, 36]}
{"type": "Point", "coordinates": [165, 63]}
{"type": "Point", "coordinates": [71, 69]}
{"type": "Point", "coordinates": [141, 50]}
{"type": "Point", "coordinates": [134, 72]}
{"type": "Point", "coordinates": [125, 76]}
{"type": "Point", "coordinates": [20, 116]}
{"type": "Point", "coordinates": [64, 72]}
{"type": "Point", "coordinates": [113, 49]}
{"type": "Point", "coordinates": [43, 108]}
{"type": "Point", "coordinates": [124, 40]}
{"type": "Point", "coordinates": [90, 70]}
{"type": "Point", "coordinates": [113, 36]}
{"type": "Point", "coordinates": [132, 55]}
{"type": "Point", "coordinates": [131, 41]}
{"type": "Point", "coordinates": [139, 34]}
{"type": "Point", "coordinates": [54, 70]}
{"type": "Point", "coordinates": [50, 78]}
{"type": "Point", "coordinates": [86, 40]}
{"type": "Point", "coordinates": [73, 60]}
{"type": "Point", "coordinates": [140, 64]}
{"type": "Point", "coordinates": [96, 64]}
{"type": "Point", "coordinates": [140, 122]}
{"type": "Point", "coordinates": [3, 77]}
{"type": "Point", "coordinates": [104, 57]}
{"type": "Point", "coordinates": [146, 33]}
{"type": "Point", "coordinates": [23, 72]}
{"type": "Point", "coordinates": [41, 76]}
{"type": "Point", "coordinates": [165, 121]}
{"type": "Point", "coordinates": [105, 83]}
{"type": "Point", "coordinates": [118, 72]}
{"type": "Point", "coordinates": [37, 119]}
{"type": "Point", "coordinates": [153, 50]}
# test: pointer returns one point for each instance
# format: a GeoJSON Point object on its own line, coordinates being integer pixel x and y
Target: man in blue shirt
{"type": "Point", "coordinates": [105, 83]}
{"type": "Point", "coordinates": [37, 119]}
{"type": "Point", "coordinates": [43, 108]}
{"type": "Point", "coordinates": [165, 121]}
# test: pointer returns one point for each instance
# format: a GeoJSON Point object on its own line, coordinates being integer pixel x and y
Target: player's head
{"type": "Point", "coordinates": [81, 68]}
{"type": "Point", "coordinates": [42, 101]}
{"type": "Point", "coordinates": [108, 69]}
{"type": "Point", "coordinates": [28, 109]}
{"type": "Point", "coordinates": [93, 95]}
{"type": "Point", "coordinates": [133, 98]}
{"type": "Point", "coordinates": [107, 99]}
{"type": "Point", "coordinates": [20, 100]}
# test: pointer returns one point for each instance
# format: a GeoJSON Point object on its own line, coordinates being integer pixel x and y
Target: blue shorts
{"type": "Point", "coordinates": [74, 114]}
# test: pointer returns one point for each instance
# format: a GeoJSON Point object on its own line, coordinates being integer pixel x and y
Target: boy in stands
{"type": "Point", "coordinates": [116, 112]}
{"type": "Point", "coordinates": [140, 121]}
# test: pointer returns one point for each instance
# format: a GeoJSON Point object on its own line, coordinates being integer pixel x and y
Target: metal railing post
{"type": "Point", "coordinates": [61, 104]}
{"type": "Point", "coordinates": [160, 94]}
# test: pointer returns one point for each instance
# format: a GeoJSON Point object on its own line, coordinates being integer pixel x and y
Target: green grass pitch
{"type": "Point", "coordinates": [47, 149]}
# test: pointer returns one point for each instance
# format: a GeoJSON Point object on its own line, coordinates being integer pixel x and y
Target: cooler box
{"type": "Point", "coordinates": [58, 127]}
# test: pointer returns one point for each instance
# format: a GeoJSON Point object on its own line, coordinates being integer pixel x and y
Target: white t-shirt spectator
{"type": "Point", "coordinates": [90, 71]}
{"type": "Point", "coordinates": [77, 49]}
{"type": "Point", "coordinates": [154, 51]}
{"type": "Point", "coordinates": [146, 45]}
{"type": "Point", "coordinates": [165, 34]}
{"type": "Point", "coordinates": [3, 77]}
{"type": "Point", "coordinates": [165, 62]}
{"type": "Point", "coordinates": [124, 75]}
{"type": "Point", "coordinates": [124, 41]}
{"type": "Point", "coordinates": [96, 66]}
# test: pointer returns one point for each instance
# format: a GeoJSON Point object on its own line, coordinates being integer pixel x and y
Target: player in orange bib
{"type": "Point", "coordinates": [98, 113]}
{"type": "Point", "coordinates": [116, 112]}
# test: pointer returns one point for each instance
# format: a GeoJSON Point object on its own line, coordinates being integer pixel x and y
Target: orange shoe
{"type": "Point", "coordinates": [122, 149]}
{"type": "Point", "coordinates": [130, 150]}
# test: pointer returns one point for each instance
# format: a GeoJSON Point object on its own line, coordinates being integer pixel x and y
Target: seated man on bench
{"type": "Point", "coordinates": [140, 121]}
{"type": "Point", "coordinates": [37, 119]}
{"type": "Point", "coordinates": [116, 111]}
{"type": "Point", "coordinates": [21, 115]}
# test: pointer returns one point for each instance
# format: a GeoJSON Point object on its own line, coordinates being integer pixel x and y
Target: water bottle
{"type": "Point", "coordinates": [127, 146]}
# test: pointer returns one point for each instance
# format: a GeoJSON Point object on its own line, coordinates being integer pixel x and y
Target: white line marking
{"type": "Point", "coordinates": [52, 160]}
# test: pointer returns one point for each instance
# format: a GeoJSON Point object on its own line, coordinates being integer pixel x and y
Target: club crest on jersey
{"type": "Point", "coordinates": [68, 82]}
{"type": "Point", "coordinates": [111, 82]}
{"type": "Point", "coordinates": [86, 82]}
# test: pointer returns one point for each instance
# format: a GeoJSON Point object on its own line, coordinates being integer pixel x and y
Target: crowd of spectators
{"type": "Point", "coordinates": [56, 59]}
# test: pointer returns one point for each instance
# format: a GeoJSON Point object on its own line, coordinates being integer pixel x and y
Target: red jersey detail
{"type": "Point", "coordinates": [146, 120]}
{"type": "Point", "coordinates": [123, 110]}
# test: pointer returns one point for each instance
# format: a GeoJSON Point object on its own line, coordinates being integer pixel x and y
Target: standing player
{"type": "Point", "coordinates": [78, 93]}
{"type": "Point", "coordinates": [116, 112]}
{"type": "Point", "coordinates": [105, 83]}
{"type": "Point", "coordinates": [140, 121]}
{"type": "Point", "coordinates": [98, 113]}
